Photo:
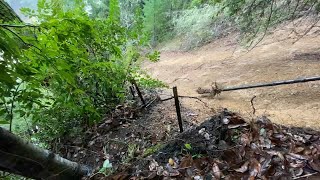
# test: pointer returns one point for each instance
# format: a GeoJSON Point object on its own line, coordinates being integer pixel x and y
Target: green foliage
{"type": "Point", "coordinates": [152, 150]}
{"type": "Point", "coordinates": [255, 17]}
{"type": "Point", "coordinates": [98, 9]}
{"type": "Point", "coordinates": [154, 57]}
{"type": "Point", "coordinates": [188, 146]}
{"type": "Point", "coordinates": [196, 26]}
{"type": "Point", "coordinates": [157, 19]}
{"type": "Point", "coordinates": [71, 69]}
{"type": "Point", "coordinates": [106, 167]}
{"type": "Point", "coordinates": [195, 22]}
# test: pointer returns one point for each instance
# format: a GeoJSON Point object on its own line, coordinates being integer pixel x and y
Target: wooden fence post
{"type": "Point", "coordinates": [139, 92]}
{"type": "Point", "coordinates": [176, 100]}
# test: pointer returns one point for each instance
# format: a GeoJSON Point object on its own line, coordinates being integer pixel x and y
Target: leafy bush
{"type": "Point", "coordinates": [199, 25]}
{"type": "Point", "coordinates": [72, 68]}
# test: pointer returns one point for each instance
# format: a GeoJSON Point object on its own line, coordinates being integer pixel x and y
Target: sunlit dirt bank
{"type": "Point", "coordinates": [277, 57]}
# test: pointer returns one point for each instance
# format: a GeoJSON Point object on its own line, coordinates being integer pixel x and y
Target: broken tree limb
{"type": "Point", "coordinates": [23, 158]}
{"type": "Point", "coordinates": [215, 90]}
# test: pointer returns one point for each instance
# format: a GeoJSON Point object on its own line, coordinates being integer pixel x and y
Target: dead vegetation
{"type": "Point", "coordinates": [136, 143]}
{"type": "Point", "coordinates": [227, 147]}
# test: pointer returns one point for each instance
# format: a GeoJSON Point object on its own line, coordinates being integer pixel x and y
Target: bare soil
{"type": "Point", "coordinates": [277, 57]}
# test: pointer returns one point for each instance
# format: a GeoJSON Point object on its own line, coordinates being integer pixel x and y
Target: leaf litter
{"type": "Point", "coordinates": [142, 144]}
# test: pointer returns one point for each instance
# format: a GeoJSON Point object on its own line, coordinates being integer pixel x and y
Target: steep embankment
{"type": "Point", "coordinates": [277, 57]}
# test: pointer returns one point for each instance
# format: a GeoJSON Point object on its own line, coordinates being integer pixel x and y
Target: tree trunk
{"type": "Point", "coordinates": [23, 158]}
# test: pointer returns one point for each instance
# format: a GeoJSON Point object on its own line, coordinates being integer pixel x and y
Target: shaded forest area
{"type": "Point", "coordinates": [71, 82]}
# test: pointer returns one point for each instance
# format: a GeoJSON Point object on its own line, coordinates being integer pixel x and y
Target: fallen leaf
{"type": "Point", "coordinates": [160, 170]}
{"type": "Point", "coordinates": [186, 161]}
{"type": "Point", "coordinates": [234, 126]}
{"type": "Point", "coordinates": [201, 163]}
{"type": "Point", "coordinates": [296, 156]}
{"type": "Point", "coordinates": [109, 121]}
{"type": "Point", "coordinates": [296, 172]}
{"type": "Point", "coordinates": [171, 174]}
{"type": "Point", "coordinates": [266, 164]}
{"type": "Point", "coordinates": [207, 136]}
{"type": "Point", "coordinates": [298, 149]}
{"type": "Point", "coordinates": [153, 165]}
{"type": "Point", "coordinates": [171, 162]}
{"type": "Point", "coordinates": [152, 175]}
{"type": "Point", "coordinates": [243, 168]}
{"type": "Point", "coordinates": [236, 120]}
{"type": "Point", "coordinates": [245, 139]}
{"type": "Point", "coordinates": [202, 131]}
{"type": "Point", "coordinates": [315, 165]}
{"type": "Point", "coordinates": [198, 178]}
{"type": "Point", "coordinates": [297, 164]}
{"type": "Point", "coordinates": [225, 120]}
{"type": "Point", "coordinates": [216, 171]}
{"type": "Point", "coordinates": [254, 168]}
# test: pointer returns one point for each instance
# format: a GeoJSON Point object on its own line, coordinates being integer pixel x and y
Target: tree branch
{"type": "Point", "coordinates": [18, 25]}
{"type": "Point", "coordinates": [25, 43]}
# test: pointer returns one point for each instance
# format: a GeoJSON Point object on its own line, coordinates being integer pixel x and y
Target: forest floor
{"type": "Point", "coordinates": [277, 57]}
{"type": "Point", "coordinates": [135, 143]}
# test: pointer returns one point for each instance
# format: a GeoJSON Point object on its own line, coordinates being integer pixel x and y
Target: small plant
{"type": "Point", "coordinates": [152, 150]}
{"type": "Point", "coordinates": [188, 146]}
{"type": "Point", "coordinates": [132, 149]}
{"type": "Point", "coordinates": [189, 149]}
{"type": "Point", "coordinates": [106, 168]}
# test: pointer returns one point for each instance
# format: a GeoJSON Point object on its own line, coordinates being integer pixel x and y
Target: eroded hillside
{"type": "Point", "coordinates": [278, 57]}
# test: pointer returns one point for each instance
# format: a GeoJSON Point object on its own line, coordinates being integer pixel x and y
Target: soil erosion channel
{"type": "Point", "coordinates": [224, 62]}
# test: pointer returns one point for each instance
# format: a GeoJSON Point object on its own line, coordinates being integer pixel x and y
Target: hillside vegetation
{"type": "Point", "coordinates": [197, 22]}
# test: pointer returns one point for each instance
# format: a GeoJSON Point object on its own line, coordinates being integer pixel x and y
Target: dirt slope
{"type": "Point", "coordinates": [224, 62]}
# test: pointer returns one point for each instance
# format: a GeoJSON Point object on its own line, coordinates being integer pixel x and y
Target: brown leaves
{"type": "Point", "coordinates": [254, 168]}
{"type": "Point", "coordinates": [259, 150]}
{"type": "Point", "coordinates": [243, 168]}
{"type": "Point", "coordinates": [216, 171]}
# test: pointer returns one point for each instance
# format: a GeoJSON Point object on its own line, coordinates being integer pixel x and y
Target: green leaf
{"type": "Point", "coordinates": [107, 164]}
{"type": "Point", "coordinates": [188, 146]}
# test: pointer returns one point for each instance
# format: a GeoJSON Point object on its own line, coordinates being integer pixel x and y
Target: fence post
{"type": "Point", "coordinates": [176, 100]}
{"type": "Point", "coordinates": [139, 92]}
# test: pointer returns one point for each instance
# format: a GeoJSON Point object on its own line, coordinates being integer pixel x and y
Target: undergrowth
{"type": "Point", "coordinates": [197, 26]}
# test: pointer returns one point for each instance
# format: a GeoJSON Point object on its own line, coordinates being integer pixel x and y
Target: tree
{"type": "Point", "coordinates": [98, 9]}
{"type": "Point", "coordinates": [7, 13]}
{"type": "Point", "coordinates": [255, 17]}
{"type": "Point", "coordinates": [157, 19]}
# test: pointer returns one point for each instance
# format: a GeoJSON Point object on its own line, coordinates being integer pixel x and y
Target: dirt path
{"type": "Point", "coordinates": [225, 63]}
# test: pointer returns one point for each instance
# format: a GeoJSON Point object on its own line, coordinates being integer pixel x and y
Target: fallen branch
{"type": "Point", "coordinates": [25, 159]}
